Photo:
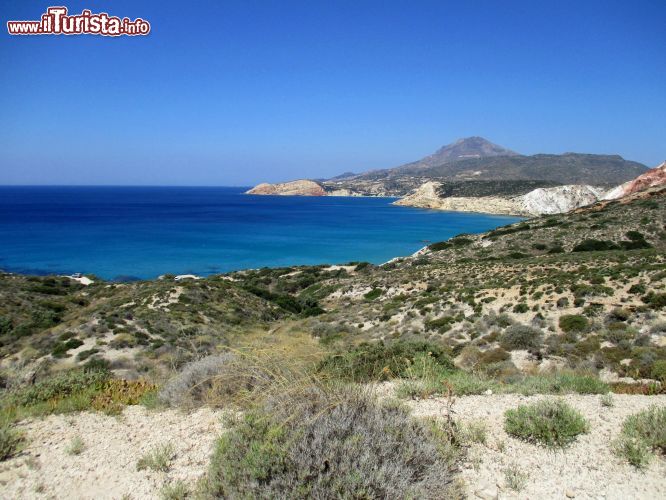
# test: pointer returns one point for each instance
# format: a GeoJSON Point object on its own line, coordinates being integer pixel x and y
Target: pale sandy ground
{"type": "Point", "coordinates": [106, 469]}
{"type": "Point", "coordinates": [107, 466]}
{"type": "Point", "coordinates": [587, 469]}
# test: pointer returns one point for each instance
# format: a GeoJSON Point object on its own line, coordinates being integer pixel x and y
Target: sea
{"type": "Point", "coordinates": [130, 233]}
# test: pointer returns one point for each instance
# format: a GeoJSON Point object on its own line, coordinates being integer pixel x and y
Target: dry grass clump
{"type": "Point", "coordinates": [158, 459]}
{"type": "Point", "coordinates": [331, 442]}
{"type": "Point", "coordinates": [198, 380]}
{"type": "Point", "coordinates": [76, 446]}
{"type": "Point", "coordinates": [230, 379]}
{"type": "Point", "coordinates": [264, 364]}
{"type": "Point", "coordinates": [10, 441]}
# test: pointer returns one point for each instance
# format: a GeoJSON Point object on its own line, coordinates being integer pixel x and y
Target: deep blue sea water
{"type": "Point", "coordinates": [142, 232]}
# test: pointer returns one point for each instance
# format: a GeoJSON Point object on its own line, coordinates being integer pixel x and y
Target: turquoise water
{"type": "Point", "coordinates": [142, 232]}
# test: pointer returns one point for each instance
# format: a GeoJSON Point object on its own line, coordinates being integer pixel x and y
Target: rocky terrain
{"type": "Point", "coordinates": [293, 188]}
{"type": "Point", "coordinates": [540, 201]}
{"type": "Point", "coordinates": [473, 159]}
{"type": "Point", "coordinates": [117, 389]}
{"type": "Point", "coordinates": [651, 178]}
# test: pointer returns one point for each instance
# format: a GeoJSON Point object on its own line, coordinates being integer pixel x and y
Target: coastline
{"type": "Point", "coordinates": [135, 234]}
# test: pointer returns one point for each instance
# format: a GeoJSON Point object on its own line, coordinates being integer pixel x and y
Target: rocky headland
{"type": "Point", "coordinates": [293, 188]}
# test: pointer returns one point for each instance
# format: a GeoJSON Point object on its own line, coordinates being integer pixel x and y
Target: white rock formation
{"type": "Point", "coordinates": [555, 200]}
{"type": "Point", "coordinates": [560, 199]}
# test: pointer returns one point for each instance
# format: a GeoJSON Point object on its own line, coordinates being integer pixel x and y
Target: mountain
{"type": "Point", "coordinates": [568, 168]}
{"type": "Point", "coordinates": [651, 178]}
{"type": "Point", "coordinates": [469, 147]}
{"type": "Point", "coordinates": [465, 162]}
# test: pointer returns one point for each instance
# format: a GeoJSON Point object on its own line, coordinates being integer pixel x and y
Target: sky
{"type": "Point", "coordinates": [239, 92]}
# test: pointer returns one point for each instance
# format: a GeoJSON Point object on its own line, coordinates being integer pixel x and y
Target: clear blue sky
{"type": "Point", "coordinates": [233, 93]}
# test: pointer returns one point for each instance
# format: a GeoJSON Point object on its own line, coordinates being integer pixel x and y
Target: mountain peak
{"type": "Point", "coordinates": [467, 147]}
{"type": "Point", "coordinates": [471, 147]}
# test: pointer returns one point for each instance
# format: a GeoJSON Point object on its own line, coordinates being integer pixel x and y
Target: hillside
{"type": "Point", "coordinates": [474, 165]}
{"type": "Point", "coordinates": [440, 295]}
{"type": "Point", "coordinates": [564, 311]}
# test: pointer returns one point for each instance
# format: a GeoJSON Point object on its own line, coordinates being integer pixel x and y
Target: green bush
{"type": "Point", "coordinates": [517, 337]}
{"type": "Point", "coordinates": [573, 323]}
{"type": "Point", "coordinates": [561, 383]}
{"type": "Point", "coordinates": [372, 362]}
{"type": "Point", "coordinates": [655, 300]}
{"type": "Point", "coordinates": [635, 236]}
{"type": "Point", "coordinates": [442, 325]}
{"type": "Point", "coordinates": [595, 246]}
{"type": "Point", "coordinates": [641, 434]}
{"type": "Point", "coordinates": [659, 370]}
{"type": "Point", "coordinates": [441, 245]}
{"type": "Point", "coordinates": [373, 294]}
{"type": "Point", "coordinates": [56, 387]}
{"type": "Point", "coordinates": [552, 423]}
{"type": "Point", "coordinates": [522, 307]}
{"type": "Point", "coordinates": [325, 443]}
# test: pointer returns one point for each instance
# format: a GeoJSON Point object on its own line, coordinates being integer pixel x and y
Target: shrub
{"type": "Point", "coordinates": [594, 246]}
{"type": "Point", "coordinates": [212, 380]}
{"type": "Point", "coordinates": [549, 422]}
{"type": "Point", "coordinates": [520, 308]}
{"type": "Point", "coordinates": [635, 236]}
{"type": "Point", "coordinates": [659, 370]}
{"type": "Point", "coordinates": [637, 289]}
{"type": "Point", "coordinates": [58, 386]}
{"type": "Point", "coordinates": [372, 362]}
{"type": "Point", "coordinates": [441, 245]}
{"type": "Point", "coordinates": [573, 323]}
{"type": "Point", "coordinates": [520, 337]}
{"type": "Point", "coordinates": [442, 325]}
{"type": "Point", "coordinates": [634, 451]}
{"type": "Point", "coordinates": [373, 294]}
{"type": "Point", "coordinates": [619, 314]}
{"type": "Point", "coordinates": [634, 245]}
{"type": "Point", "coordinates": [10, 441]}
{"type": "Point", "coordinates": [330, 443]}
{"type": "Point", "coordinates": [117, 393]}
{"type": "Point", "coordinates": [561, 383]}
{"type": "Point", "coordinates": [641, 433]}
{"type": "Point", "coordinates": [655, 300]}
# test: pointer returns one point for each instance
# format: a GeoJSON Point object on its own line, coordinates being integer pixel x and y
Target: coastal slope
{"type": "Point", "coordinates": [553, 200]}
{"type": "Point", "coordinates": [467, 162]}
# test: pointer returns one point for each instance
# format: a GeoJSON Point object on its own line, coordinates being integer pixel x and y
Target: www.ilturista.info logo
{"type": "Point", "coordinates": [56, 22]}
